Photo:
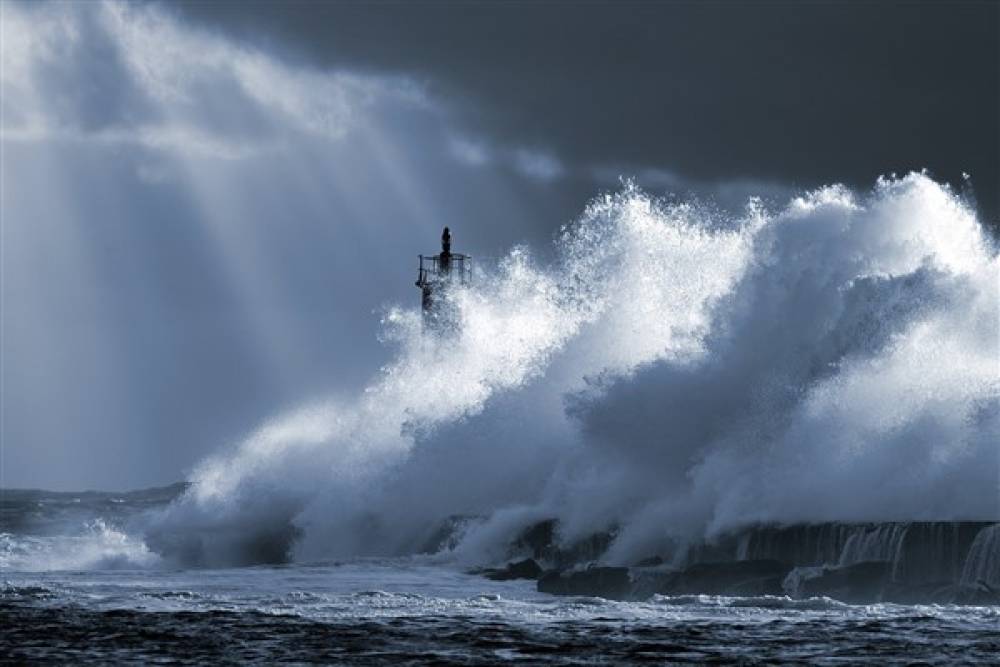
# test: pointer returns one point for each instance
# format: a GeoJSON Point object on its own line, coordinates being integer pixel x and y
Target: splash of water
{"type": "Point", "coordinates": [983, 562]}
{"type": "Point", "coordinates": [671, 373]}
{"type": "Point", "coordinates": [99, 545]}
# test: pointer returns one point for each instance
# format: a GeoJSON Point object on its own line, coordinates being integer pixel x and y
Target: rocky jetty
{"type": "Point", "coordinates": [522, 569]}
{"type": "Point", "coordinates": [612, 583]}
{"type": "Point", "coordinates": [906, 562]}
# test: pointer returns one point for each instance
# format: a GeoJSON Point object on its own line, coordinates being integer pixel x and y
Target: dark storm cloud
{"type": "Point", "coordinates": [802, 93]}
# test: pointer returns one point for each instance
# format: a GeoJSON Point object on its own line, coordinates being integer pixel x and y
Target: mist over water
{"type": "Point", "coordinates": [673, 372]}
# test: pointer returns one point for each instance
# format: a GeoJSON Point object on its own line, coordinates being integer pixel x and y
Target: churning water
{"type": "Point", "coordinates": [673, 374]}
{"type": "Point", "coordinates": [98, 595]}
{"type": "Point", "coordinates": [394, 611]}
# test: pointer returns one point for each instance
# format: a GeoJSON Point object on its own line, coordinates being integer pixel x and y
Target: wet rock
{"type": "Point", "coordinates": [612, 583]}
{"type": "Point", "coordinates": [758, 587]}
{"type": "Point", "coordinates": [648, 581]}
{"type": "Point", "coordinates": [652, 561]}
{"type": "Point", "coordinates": [905, 562]}
{"type": "Point", "coordinates": [522, 569]}
{"type": "Point", "coordinates": [860, 583]}
{"type": "Point", "coordinates": [940, 592]}
{"type": "Point", "coordinates": [746, 577]}
{"type": "Point", "coordinates": [539, 540]}
{"type": "Point", "coordinates": [922, 552]}
{"type": "Point", "coordinates": [980, 594]}
{"type": "Point", "coordinates": [447, 534]}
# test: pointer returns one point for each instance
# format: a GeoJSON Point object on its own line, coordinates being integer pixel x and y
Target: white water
{"type": "Point", "coordinates": [97, 546]}
{"type": "Point", "coordinates": [672, 373]}
{"type": "Point", "coordinates": [367, 589]}
{"type": "Point", "coordinates": [880, 543]}
{"type": "Point", "coordinates": [983, 561]}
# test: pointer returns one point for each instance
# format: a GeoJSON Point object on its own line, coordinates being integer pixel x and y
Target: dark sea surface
{"type": "Point", "coordinates": [79, 590]}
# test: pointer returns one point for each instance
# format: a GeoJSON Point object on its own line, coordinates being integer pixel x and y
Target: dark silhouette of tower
{"type": "Point", "coordinates": [445, 256]}
{"type": "Point", "coordinates": [436, 275]}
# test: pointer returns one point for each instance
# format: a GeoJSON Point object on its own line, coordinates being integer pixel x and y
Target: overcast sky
{"type": "Point", "coordinates": [207, 205]}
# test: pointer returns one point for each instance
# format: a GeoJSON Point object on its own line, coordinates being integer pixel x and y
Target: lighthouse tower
{"type": "Point", "coordinates": [436, 275]}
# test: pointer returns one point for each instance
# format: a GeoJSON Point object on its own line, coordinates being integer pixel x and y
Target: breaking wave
{"type": "Point", "coordinates": [673, 373]}
{"type": "Point", "coordinates": [98, 545]}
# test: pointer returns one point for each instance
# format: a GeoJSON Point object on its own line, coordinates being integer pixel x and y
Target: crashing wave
{"type": "Point", "coordinates": [672, 373]}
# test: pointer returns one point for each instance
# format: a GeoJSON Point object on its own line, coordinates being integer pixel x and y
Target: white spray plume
{"type": "Point", "coordinates": [672, 374]}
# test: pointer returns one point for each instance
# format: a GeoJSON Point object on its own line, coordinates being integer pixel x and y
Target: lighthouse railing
{"type": "Point", "coordinates": [431, 270]}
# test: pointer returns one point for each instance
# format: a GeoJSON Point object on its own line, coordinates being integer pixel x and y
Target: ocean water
{"type": "Point", "coordinates": [77, 588]}
{"type": "Point", "coordinates": [392, 611]}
